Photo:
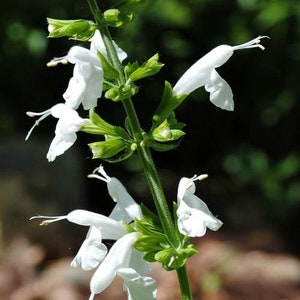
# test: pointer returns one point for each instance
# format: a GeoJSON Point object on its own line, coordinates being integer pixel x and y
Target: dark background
{"type": "Point", "coordinates": [251, 155]}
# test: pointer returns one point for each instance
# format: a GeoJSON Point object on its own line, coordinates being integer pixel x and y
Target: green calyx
{"type": "Point", "coordinates": [116, 18]}
{"type": "Point", "coordinates": [117, 145]}
{"type": "Point", "coordinates": [150, 67]}
{"type": "Point", "coordinates": [122, 92]}
{"type": "Point", "coordinates": [79, 30]}
{"type": "Point", "coordinates": [167, 104]}
{"type": "Point", "coordinates": [156, 245]}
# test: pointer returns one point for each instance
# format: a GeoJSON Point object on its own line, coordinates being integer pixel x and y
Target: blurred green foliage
{"type": "Point", "coordinates": [253, 151]}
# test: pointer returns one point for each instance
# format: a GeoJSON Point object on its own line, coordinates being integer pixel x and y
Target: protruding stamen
{"type": "Point", "coordinates": [255, 43]}
{"type": "Point", "coordinates": [43, 115]}
{"type": "Point", "coordinates": [57, 60]}
{"type": "Point", "coordinates": [194, 178]}
{"type": "Point", "coordinates": [49, 219]}
{"type": "Point", "coordinates": [101, 171]}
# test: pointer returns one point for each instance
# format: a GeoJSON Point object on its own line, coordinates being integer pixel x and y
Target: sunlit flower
{"type": "Point", "coordinates": [69, 122]}
{"type": "Point", "coordinates": [203, 73]}
{"type": "Point", "coordinates": [86, 84]}
{"type": "Point", "coordinates": [97, 44]}
{"type": "Point", "coordinates": [193, 214]}
{"type": "Point", "coordinates": [119, 262]}
{"type": "Point", "coordinates": [122, 259]}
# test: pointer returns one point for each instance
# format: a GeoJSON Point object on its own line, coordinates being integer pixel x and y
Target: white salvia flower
{"type": "Point", "coordinates": [97, 44]}
{"type": "Point", "coordinates": [203, 73]}
{"type": "Point", "coordinates": [86, 84]}
{"type": "Point", "coordinates": [193, 214]}
{"type": "Point", "coordinates": [126, 208]}
{"type": "Point", "coordinates": [69, 122]}
{"type": "Point", "coordinates": [117, 262]}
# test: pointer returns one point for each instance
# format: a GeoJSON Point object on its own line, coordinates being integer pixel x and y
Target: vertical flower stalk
{"type": "Point", "coordinates": [144, 153]}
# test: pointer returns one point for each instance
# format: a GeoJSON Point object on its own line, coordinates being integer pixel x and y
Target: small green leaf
{"type": "Point", "coordinates": [102, 127]}
{"type": "Point", "coordinates": [109, 71]}
{"type": "Point", "coordinates": [148, 243]}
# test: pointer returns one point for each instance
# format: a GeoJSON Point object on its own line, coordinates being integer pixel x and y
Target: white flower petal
{"type": "Point", "coordinates": [136, 286]}
{"type": "Point", "coordinates": [126, 208]}
{"type": "Point", "coordinates": [97, 44]}
{"type": "Point", "coordinates": [110, 229]}
{"type": "Point", "coordinates": [220, 92]}
{"type": "Point", "coordinates": [118, 257]}
{"type": "Point", "coordinates": [91, 252]}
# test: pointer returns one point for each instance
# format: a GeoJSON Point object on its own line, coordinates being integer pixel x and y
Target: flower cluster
{"type": "Point", "coordinates": [85, 87]}
{"type": "Point", "coordinates": [122, 259]}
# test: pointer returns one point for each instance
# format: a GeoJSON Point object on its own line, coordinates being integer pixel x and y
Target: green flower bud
{"type": "Point", "coordinates": [80, 30]}
{"type": "Point", "coordinates": [164, 133]}
{"type": "Point", "coordinates": [122, 92]}
{"type": "Point", "coordinates": [107, 149]}
{"type": "Point", "coordinates": [148, 68]}
{"type": "Point", "coordinates": [116, 18]}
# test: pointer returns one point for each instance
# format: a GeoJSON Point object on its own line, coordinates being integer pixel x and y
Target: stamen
{"type": "Point", "coordinates": [49, 219]}
{"type": "Point", "coordinates": [194, 178]}
{"type": "Point", "coordinates": [255, 43]}
{"type": "Point", "coordinates": [101, 171]}
{"type": "Point", "coordinates": [43, 115]}
{"type": "Point", "coordinates": [57, 60]}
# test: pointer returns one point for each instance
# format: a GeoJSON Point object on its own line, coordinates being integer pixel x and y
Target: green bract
{"type": "Point", "coordinates": [167, 104]}
{"type": "Point", "coordinates": [112, 150]}
{"type": "Point", "coordinates": [80, 30]}
{"type": "Point", "coordinates": [148, 68]}
{"type": "Point", "coordinates": [101, 127]}
{"type": "Point", "coordinates": [116, 18]}
{"type": "Point", "coordinates": [156, 245]}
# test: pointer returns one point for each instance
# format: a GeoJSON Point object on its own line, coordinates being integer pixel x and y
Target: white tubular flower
{"type": "Point", "coordinates": [68, 124]}
{"type": "Point", "coordinates": [97, 44]}
{"type": "Point", "coordinates": [118, 257]}
{"type": "Point", "coordinates": [126, 208]}
{"type": "Point", "coordinates": [86, 84]}
{"type": "Point", "coordinates": [193, 214]}
{"type": "Point", "coordinates": [203, 73]}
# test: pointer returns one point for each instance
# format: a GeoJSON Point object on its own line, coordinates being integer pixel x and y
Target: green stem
{"type": "Point", "coordinates": [144, 153]}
